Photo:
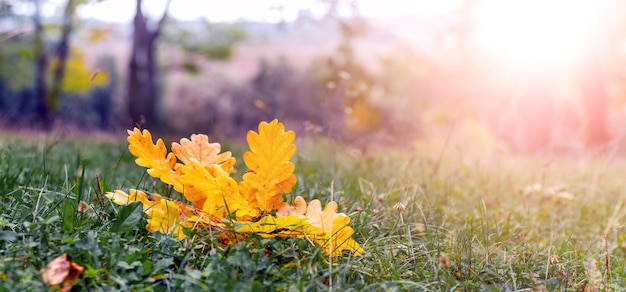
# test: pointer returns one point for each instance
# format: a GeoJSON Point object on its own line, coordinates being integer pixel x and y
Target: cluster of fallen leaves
{"type": "Point", "coordinates": [199, 171]}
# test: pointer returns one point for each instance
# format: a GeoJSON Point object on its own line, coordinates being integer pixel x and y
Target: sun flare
{"type": "Point", "coordinates": [537, 32]}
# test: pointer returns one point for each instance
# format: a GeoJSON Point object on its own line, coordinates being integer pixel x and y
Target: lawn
{"type": "Point", "coordinates": [440, 221]}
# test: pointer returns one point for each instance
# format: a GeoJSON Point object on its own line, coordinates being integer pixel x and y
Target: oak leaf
{"type": "Point", "coordinates": [285, 226]}
{"type": "Point", "coordinates": [337, 233]}
{"type": "Point", "coordinates": [213, 190]}
{"type": "Point", "coordinates": [154, 157]}
{"type": "Point", "coordinates": [298, 208]}
{"type": "Point", "coordinates": [121, 198]}
{"type": "Point", "coordinates": [204, 152]}
{"type": "Point", "coordinates": [62, 270]}
{"type": "Point", "coordinates": [165, 216]}
{"type": "Point", "coordinates": [270, 173]}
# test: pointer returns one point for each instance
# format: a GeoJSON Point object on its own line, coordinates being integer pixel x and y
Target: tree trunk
{"type": "Point", "coordinates": [142, 83]}
{"type": "Point", "coordinates": [41, 65]}
{"type": "Point", "coordinates": [62, 54]}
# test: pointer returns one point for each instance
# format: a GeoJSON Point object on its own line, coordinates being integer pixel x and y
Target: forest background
{"type": "Point", "coordinates": [506, 78]}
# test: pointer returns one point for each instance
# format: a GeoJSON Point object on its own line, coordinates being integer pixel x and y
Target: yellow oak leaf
{"type": "Point", "coordinates": [160, 164]}
{"type": "Point", "coordinates": [165, 217]}
{"type": "Point", "coordinates": [121, 198]}
{"type": "Point", "coordinates": [298, 208]}
{"type": "Point", "coordinates": [328, 220]}
{"type": "Point", "coordinates": [214, 189]}
{"type": "Point", "coordinates": [270, 171]}
{"type": "Point", "coordinates": [204, 152]}
{"type": "Point", "coordinates": [341, 240]}
{"type": "Point", "coordinates": [286, 226]}
{"type": "Point", "coordinates": [198, 184]}
{"type": "Point", "coordinates": [231, 195]}
{"type": "Point", "coordinates": [337, 233]}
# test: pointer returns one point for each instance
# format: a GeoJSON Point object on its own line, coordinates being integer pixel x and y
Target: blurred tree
{"type": "Point", "coordinates": [5, 8]}
{"type": "Point", "coordinates": [271, 87]}
{"type": "Point", "coordinates": [42, 84]}
{"type": "Point", "coordinates": [349, 109]}
{"type": "Point", "coordinates": [61, 55]}
{"type": "Point", "coordinates": [41, 66]}
{"type": "Point", "coordinates": [142, 74]}
{"type": "Point", "coordinates": [47, 95]}
{"type": "Point", "coordinates": [102, 98]}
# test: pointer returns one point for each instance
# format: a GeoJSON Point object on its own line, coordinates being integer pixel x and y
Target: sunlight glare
{"type": "Point", "coordinates": [537, 32]}
{"type": "Point", "coordinates": [395, 8]}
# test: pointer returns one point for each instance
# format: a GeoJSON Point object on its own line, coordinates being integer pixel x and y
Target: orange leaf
{"type": "Point", "coordinates": [160, 164]}
{"type": "Point", "coordinates": [298, 209]}
{"type": "Point", "coordinates": [204, 152]}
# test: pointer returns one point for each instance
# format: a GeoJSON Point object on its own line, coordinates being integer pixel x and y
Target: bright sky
{"type": "Point", "coordinates": [561, 31]}
{"type": "Point", "coordinates": [522, 32]}
{"type": "Point", "coordinates": [257, 10]}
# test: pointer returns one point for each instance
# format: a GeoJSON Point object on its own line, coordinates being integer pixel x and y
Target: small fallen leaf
{"type": "Point", "coordinates": [62, 270]}
{"type": "Point", "coordinates": [82, 207]}
{"type": "Point", "coordinates": [444, 260]}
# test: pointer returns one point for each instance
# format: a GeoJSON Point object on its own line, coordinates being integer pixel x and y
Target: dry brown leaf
{"type": "Point", "coordinates": [62, 270]}
{"type": "Point", "coordinates": [82, 206]}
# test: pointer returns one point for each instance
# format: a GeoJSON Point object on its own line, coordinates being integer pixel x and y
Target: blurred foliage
{"type": "Point", "coordinates": [5, 8]}
{"type": "Point", "coordinates": [94, 107]}
{"type": "Point", "coordinates": [87, 99]}
{"type": "Point", "coordinates": [79, 78]}
{"type": "Point", "coordinates": [217, 104]}
{"type": "Point", "coordinates": [210, 40]}
{"type": "Point", "coordinates": [98, 34]}
{"type": "Point", "coordinates": [16, 68]}
{"type": "Point", "coordinates": [20, 102]}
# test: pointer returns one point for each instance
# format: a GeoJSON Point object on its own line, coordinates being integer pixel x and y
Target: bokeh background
{"type": "Point", "coordinates": [475, 75]}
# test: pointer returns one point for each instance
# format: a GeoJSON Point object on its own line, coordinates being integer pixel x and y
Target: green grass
{"type": "Point", "coordinates": [470, 223]}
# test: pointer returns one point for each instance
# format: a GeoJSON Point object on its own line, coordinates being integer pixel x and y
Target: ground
{"type": "Point", "coordinates": [438, 221]}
